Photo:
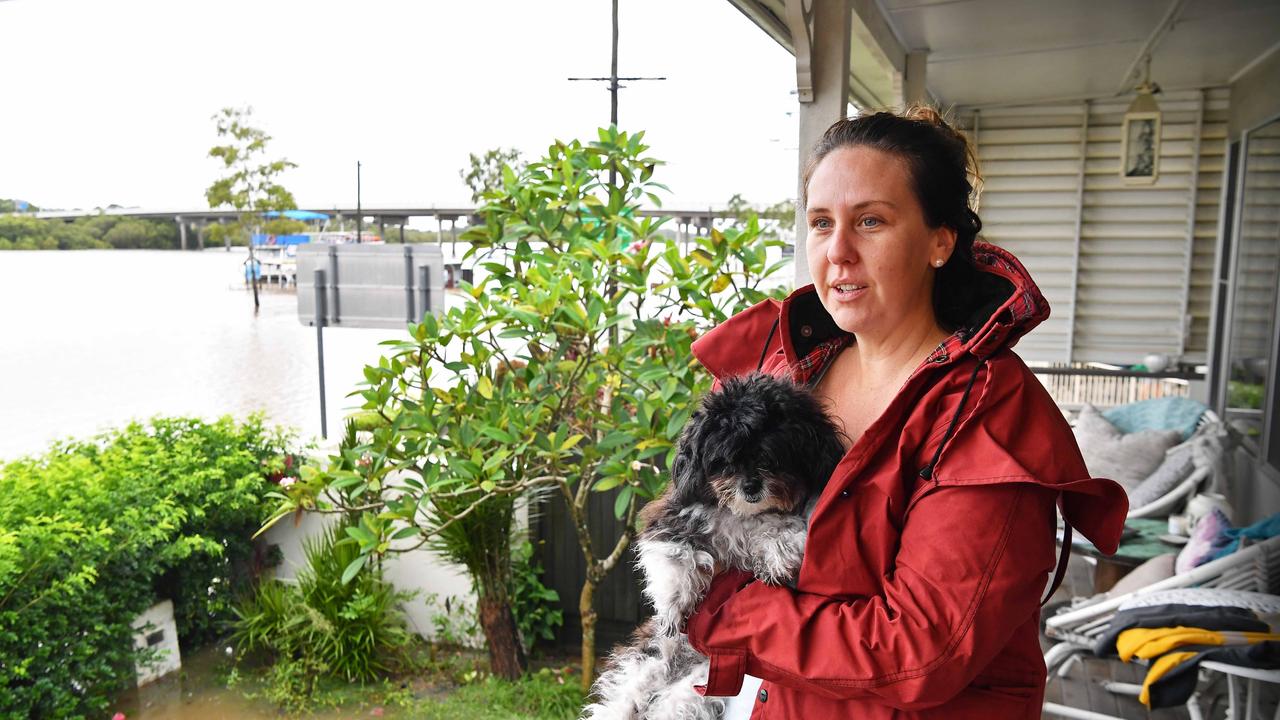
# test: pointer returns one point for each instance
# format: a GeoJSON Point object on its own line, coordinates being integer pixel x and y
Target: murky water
{"type": "Point", "coordinates": [92, 339]}
{"type": "Point", "coordinates": [199, 692]}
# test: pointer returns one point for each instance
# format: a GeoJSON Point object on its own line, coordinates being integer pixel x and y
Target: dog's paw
{"type": "Point", "coordinates": [676, 579]}
{"type": "Point", "coordinates": [777, 557]}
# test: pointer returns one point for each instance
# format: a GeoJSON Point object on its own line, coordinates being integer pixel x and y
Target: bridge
{"type": "Point", "coordinates": [687, 222]}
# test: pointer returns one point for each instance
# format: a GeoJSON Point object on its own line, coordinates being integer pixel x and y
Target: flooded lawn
{"type": "Point", "coordinates": [199, 692]}
{"type": "Point", "coordinates": [450, 689]}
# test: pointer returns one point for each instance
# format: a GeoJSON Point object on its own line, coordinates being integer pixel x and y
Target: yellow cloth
{"type": "Point", "coordinates": [1157, 671]}
{"type": "Point", "coordinates": [1147, 643]}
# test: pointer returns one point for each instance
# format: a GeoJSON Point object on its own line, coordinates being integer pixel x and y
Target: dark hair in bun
{"type": "Point", "coordinates": [944, 175]}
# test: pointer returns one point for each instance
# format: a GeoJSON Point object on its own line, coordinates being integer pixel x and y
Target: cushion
{"type": "Point", "coordinates": [1110, 453]}
{"type": "Point", "coordinates": [1150, 572]}
{"type": "Point", "coordinates": [1261, 530]}
{"type": "Point", "coordinates": [1208, 537]}
{"type": "Point", "coordinates": [1260, 603]}
{"type": "Point", "coordinates": [1166, 413]}
{"type": "Point", "coordinates": [1177, 466]}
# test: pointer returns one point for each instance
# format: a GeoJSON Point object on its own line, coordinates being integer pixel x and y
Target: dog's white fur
{"type": "Point", "coordinates": [659, 685]}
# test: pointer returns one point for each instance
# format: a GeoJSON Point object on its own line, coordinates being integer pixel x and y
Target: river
{"type": "Point", "coordinates": [92, 339]}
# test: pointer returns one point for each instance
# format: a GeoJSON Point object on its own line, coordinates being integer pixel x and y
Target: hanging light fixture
{"type": "Point", "coordinates": [1140, 144]}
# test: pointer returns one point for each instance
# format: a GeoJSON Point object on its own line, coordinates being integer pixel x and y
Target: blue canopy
{"type": "Point", "coordinates": [281, 239]}
{"type": "Point", "coordinates": [296, 215]}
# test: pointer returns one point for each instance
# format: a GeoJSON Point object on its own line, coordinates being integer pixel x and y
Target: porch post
{"type": "Point", "coordinates": [822, 38]}
{"type": "Point", "coordinates": [182, 231]}
{"type": "Point", "coordinates": [914, 91]}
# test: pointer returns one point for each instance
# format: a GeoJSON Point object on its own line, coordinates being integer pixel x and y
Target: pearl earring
{"type": "Point", "coordinates": [939, 263]}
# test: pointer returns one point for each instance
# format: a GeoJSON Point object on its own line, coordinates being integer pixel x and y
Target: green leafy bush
{"type": "Point", "coordinates": [323, 626]}
{"type": "Point", "coordinates": [93, 532]}
{"type": "Point", "coordinates": [1244, 395]}
{"type": "Point", "coordinates": [533, 603]}
{"type": "Point", "coordinates": [566, 371]}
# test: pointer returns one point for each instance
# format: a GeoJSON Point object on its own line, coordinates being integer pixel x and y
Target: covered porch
{"type": "Point", "coordinates": [1181, 261]}
{"type": "Point", "coordinates": [1153, 230]}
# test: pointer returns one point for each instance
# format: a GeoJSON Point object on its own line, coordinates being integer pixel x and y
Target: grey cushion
{"type": "Point", "coordinates": [1109, 453]}
{"type": "Point", "coordinates": [1177, 466]}
{"type": "Point", "coordinates": [1150, 572]}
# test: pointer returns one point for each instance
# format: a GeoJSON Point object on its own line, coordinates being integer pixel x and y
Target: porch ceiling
{"type": "Point", "coordinates": [1001, 52]}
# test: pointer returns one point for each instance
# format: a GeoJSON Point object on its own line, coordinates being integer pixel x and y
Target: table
{"type": "Point", "coordinates": [1132, 552]}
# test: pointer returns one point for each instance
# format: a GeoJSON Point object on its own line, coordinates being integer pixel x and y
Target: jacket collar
{"type": "Point", "coordinates": [1005, 306]}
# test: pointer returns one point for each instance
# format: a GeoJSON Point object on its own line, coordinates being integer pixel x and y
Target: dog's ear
{"type": "Point", "coordinates": [819, 450]}
{"type": "Point", "coordinates": [687, 482]}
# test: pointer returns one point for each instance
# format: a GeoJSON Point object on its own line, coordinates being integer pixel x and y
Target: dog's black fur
{"type": "Point", "coordinates": [749, 464]}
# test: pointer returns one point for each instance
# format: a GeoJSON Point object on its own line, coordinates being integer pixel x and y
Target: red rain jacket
{"type": "Point", "coordinates": [919, 594]}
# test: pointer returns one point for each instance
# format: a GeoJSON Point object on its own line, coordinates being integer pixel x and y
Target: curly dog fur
{"type": "Point", "coordinates": [750, 463]}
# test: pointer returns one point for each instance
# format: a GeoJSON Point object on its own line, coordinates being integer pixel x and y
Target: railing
{"type": "Point", "coordinates": [1071, 386]}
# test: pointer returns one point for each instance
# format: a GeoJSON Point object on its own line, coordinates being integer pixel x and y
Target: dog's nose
{"type": "Point", "coordinates": [752, 490]}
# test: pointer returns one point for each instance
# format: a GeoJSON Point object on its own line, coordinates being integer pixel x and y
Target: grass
{"type": "Point", "coordinates": [446, 684]}
{"type": "Point", "coordinates": [545, 694]}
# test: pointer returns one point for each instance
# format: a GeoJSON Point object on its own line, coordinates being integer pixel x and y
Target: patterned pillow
{"type": "Point", "coordinates": [1109, 453]}
{"type": "Point", "coordinates": [1261, 603]}
{"type": "Point", "coordinates": [1207, 539]}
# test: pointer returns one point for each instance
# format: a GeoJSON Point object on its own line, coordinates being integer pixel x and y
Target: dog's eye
{"type": "Point", "coordinates": [716, 466]}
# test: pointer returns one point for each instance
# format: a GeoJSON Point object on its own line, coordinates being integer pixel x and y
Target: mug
{"type": "Point", "coordinates": [1203, 504]}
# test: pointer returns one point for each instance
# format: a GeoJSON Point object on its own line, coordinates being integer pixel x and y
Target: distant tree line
{"type": "Point", "coordinates": [23, 232]}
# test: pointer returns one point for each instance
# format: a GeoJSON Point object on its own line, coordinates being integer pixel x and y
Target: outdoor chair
{"type": "Point", "coordinates": [1078, 627]}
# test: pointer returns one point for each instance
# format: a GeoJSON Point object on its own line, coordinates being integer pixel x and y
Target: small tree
{"type": "Point", "coordinates": [520, 390]}
{"type": "Point", "coordinates": [484, 173]}
{"type": "Point", "coordinates": [249, 186]}
{"type": "Point", "coordinates": [778, 217]}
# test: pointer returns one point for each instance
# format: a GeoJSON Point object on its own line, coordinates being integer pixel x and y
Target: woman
{"type": "Point", "coordinates": [933, 542]}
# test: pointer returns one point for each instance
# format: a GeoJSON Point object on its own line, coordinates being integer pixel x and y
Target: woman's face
{"type": "Point", "coordinates": [871, 255]}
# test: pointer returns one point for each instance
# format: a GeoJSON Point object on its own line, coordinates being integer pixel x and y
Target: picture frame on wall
{"type": "Point", "coordinates": [1140, 148]}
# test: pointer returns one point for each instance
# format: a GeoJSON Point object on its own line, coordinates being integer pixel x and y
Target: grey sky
{"type": "Point", "coordinates": [110, 101]}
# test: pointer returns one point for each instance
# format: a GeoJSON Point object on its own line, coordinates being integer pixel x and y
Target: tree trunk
{"type": "Point", "coordinates": [506, 655]}
{"type": "Point", "coordinates": [587, 610]}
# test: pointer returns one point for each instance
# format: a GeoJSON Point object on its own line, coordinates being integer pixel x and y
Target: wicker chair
{"type": "Point", "coordinates": [1176, 498]}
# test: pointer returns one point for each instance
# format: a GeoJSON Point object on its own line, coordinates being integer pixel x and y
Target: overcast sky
{"type": "Point", "coordinates": [109, 101]}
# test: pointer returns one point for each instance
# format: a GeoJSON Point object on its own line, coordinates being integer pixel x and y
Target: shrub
{"type": "Point", "coordinates": [566, 371]}
{"type": "Point", "coordinates": [534, 605]}
{"type": "Point", "coordinates": [322, 626]}
{"type": "Point", "coordinates": [93, 532]}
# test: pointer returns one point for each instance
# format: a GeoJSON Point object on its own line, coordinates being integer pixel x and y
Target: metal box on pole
{"type": "Point", "coordinates": [366, 286]}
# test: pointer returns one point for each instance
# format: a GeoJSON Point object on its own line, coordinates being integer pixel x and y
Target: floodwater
{"type": "Point", "coordinates": [94, 338]}
{"type": "Point", "coordinates": [196, 692]}
{"type": "Point", "coordinates": [199, 692]}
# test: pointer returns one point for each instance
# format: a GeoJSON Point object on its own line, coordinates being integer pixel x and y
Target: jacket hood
{"type": "Point", "coordinates": [1004, 305]}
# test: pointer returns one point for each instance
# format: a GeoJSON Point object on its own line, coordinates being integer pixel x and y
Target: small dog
{"type": "Point", "coordinates": [749, 465]}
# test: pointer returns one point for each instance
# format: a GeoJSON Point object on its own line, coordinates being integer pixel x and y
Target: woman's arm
{"type": "Point", "coordinates": [971, 566]}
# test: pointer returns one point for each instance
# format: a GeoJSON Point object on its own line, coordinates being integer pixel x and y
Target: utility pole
{"type": "Point", "coordinates": [613, 80]}
{"type": "Point", "coordinates": [359, 212]}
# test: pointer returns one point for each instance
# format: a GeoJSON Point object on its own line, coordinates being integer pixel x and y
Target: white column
{"type": "Point", "coordinates": [914, 91]}
{"type": "Point", "coordinates": [182, 231]}
{"type": "Point", "coordinates": [828, 29]}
